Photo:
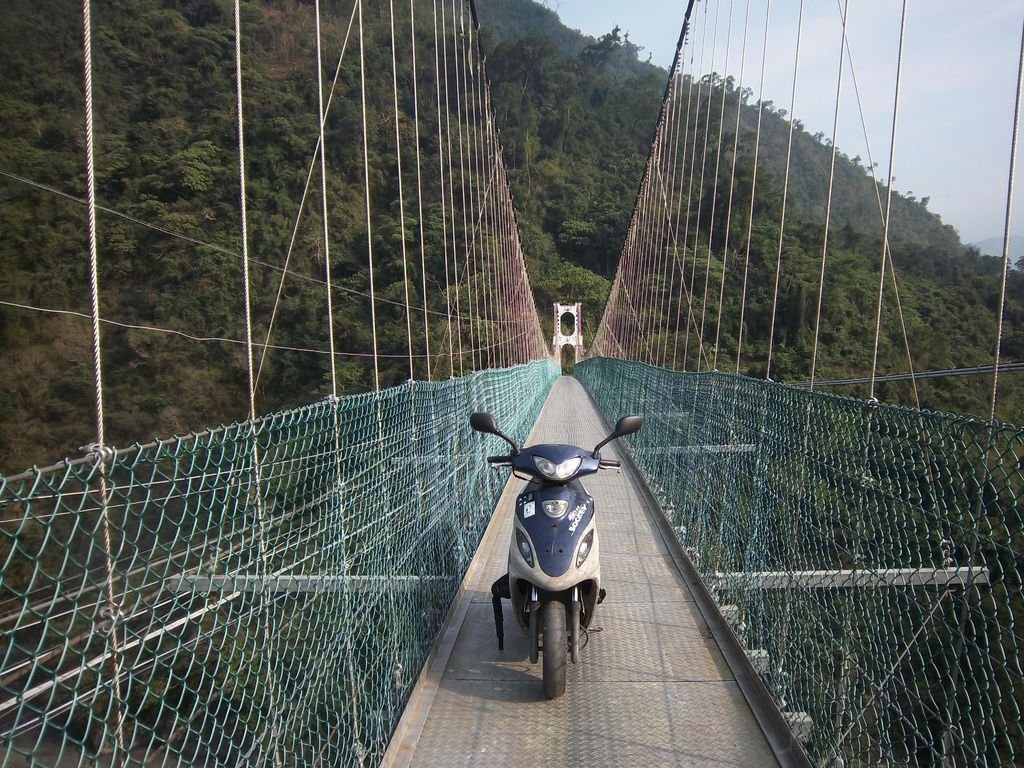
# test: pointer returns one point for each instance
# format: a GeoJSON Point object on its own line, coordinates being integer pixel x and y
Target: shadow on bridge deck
{"type": "Point", "coordinates": [652, 687]}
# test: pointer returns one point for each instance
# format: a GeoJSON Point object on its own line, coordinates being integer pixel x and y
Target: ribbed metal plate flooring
{"type": "Point", "coordinates": [651, 688]}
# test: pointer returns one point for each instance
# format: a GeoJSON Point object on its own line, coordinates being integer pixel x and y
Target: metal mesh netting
{"type": "Point", "coordinates": [255, 594]}
{"type": "Point", "coordinates": [868, 557]}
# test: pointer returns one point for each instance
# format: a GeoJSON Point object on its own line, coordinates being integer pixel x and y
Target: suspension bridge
{"type": "Point", "coordinates": [795, 576]}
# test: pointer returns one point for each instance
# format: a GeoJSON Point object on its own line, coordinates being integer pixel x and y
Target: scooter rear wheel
{"type": "Point", "coordinates": [555, 645]}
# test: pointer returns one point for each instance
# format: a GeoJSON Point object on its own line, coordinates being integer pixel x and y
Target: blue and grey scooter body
{"type": "Point", "coordinates": [554, 564]}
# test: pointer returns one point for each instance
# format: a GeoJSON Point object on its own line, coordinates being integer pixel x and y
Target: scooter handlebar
{"type": "Point", "coordinates": [499, 461]}
{"type": "Point", "coordinates": [609, 464]}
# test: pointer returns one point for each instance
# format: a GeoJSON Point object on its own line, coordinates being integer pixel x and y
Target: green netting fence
{"type": "Point", "coordinates": [868, 557]}
{"type": "Point", "coordinates": [257, 594]}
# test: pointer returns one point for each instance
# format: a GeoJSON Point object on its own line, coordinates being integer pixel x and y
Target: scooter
{"type": "Point", "coordinates": [554, 569]}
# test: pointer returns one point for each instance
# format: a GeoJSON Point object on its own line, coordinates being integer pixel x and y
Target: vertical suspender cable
{"type": "Point", "coordinates": [451, 187]}
{"type": "Point", "coordinates": [753, 185]}
{"type": "Point", "coordinates": [323, 199]}
{"type": "Point", "coordinates": [1006, 227]}
{"type": "Point", "coordinates": [467, 277]}
{"type": "Point", "coordinates": [714, 188]}
{"type": "Point", "coordinates": [732, 179]}
{"type": "Point", "coordinates": [785, 191]}
{"type": "Point", "coordinates": [243, 212]}
{"type": "Point", "coordinates": [100, 449]}
{"type": "Point", "coordinates": [681, 262]}
{"type": "Point", "coordinates": [828, 199]}
{"type": "Point", "coordinates": [419, 183]}
{"type": "Point", "coordinates": [477, 191]}
{"type": "Point", "coordinates": [444, 201]}
{"type": "Point", "coordinates": [401, 191]}
{"type": "Point", "coordinates": [888, 202]}
{"type": "Point", "coordinates": [366, 182]}
{"type": "Point", "coordinates": [672, 244]}
{"type": "Point", "coordinates": [689, 190]}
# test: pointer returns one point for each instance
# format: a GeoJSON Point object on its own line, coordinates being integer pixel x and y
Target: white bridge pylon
{"type": "Point", "coordinates": [575, 339]}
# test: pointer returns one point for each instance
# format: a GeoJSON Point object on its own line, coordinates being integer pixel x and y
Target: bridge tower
{"type": "Point", "coordinates": [569, 313]}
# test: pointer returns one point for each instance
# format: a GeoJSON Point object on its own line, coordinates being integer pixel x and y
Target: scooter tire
{"type": "Point", "coordinates": [555, 646]}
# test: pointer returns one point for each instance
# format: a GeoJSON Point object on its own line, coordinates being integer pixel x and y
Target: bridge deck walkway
{"type": "Point", "coordinates": [651, 688]}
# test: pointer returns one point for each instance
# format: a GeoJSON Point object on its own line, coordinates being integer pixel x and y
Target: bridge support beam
{"type": "Point", "coordinates": [574, 339]}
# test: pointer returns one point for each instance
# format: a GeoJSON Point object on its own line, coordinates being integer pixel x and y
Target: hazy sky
{"type": "Point", "coordinates": [957, 90]}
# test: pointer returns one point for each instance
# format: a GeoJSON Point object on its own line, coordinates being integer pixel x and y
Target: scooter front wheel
{"type": "Point", "coordinates": [555, 644]}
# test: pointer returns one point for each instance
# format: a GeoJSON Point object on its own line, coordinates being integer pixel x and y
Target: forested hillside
{"type": "Point", "coordinates": [576, 128]}
{"type": "Point", "coordinates": [169, 234]}
{"type": "Point", "coordinates": [576, 114]}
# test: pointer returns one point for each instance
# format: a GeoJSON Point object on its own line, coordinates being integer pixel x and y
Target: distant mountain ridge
{"type": "Point", "coordinates": [993, 246]}
{"type": "Point", "coordinates": [511, 20]}
{"type": "Point", "coordinates": [576, 127]}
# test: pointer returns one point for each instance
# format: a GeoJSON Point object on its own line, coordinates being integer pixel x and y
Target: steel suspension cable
{"type": "Point", "coordinates": [785, 191]}
{"type": "Point", "coordinates": [732, 179]}
{"type": "Point", "coordinates": [828, 198]}
{"type": "Point", "coordinates": [699, 330]}
{"type": "Point", "coordinates": [318, 150]}
{"type": "Point", "coordinates": [444, 203]}
{"type": "Point", "coordinates": [263, 544]}
{"type": "Point", "coordinates": [1006, 226]}
{"type": "Point", "coordinates": [366, 188]}
{"type": "Point", "coordinates": [419, 182]}
{"type": "Point", "coordinates": [714, 192]}
{"type": "Point", "coordinates": [471, 298]}
{"type": "Point", "coordinates": [324, 210]}
{"type": "Point", "coordinates": [681, 262]}
{"type": "Point", "coordinates": [672, 238]}
{"type": "Point", "coordinates": [668, 237]}
{"type": "Point", "coordinates": [888, 201]}
{"type": "Point", "coordinates": [753, 185]}
{"type": "Point", "coordinates": [401, 189]}
{"type": "Point", "coordinates": [689, 192]}
{"type": "Point", "coordinates": [100, 451]}
{"type": "Point", "coordinates": [870, 167]}
{"type": "Point", "coordinates": [451, 186]}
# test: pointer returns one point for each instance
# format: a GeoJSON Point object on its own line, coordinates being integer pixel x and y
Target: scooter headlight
{"type": "Point", "coordinates": [585, 546]}
{"type": "Point", "coordinates": [555, 507]}
{"type": "Point", "coordinates": [524, 547]}
{"type": "Point", "coordinates": [554, 471]}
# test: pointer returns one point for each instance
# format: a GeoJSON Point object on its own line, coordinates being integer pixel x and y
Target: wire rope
{"type": "Point", "coordinates": [732, 178]}
{"type": "Point", "coordinates": [679, 208]}
{"type": "Point", "coordinates": [828, 197]}
{"type": "Point", "coordinates": [888, 201]}
{"type": "Point", "coordinates": [366, 188]}
{"type": "Point", "coordinates": [753, 185]}
{"type": "Point", "coordinates": [689, 192]}
{"type": "Point", "coordinates": [785, 191]}
{"type": "Point", "coordinates": [323, 199]}
{"type": "Point", "coordinates": [699, 330]}
{"type": "Point", "coordinates": [99, 451]}
{"type": "Point", "coordinates": [714, 189]}
{"type": "Point", "coordinates": [401, 190]}
{"type": "Point", "coordinates": [1006, 226]}
{"type": "Point", "coordinates": [419, 180]}
{"type": "Point", "coordinates": [267, 660]}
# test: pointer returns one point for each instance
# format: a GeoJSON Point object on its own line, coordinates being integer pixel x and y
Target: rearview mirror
{"type": "Point", "coordinates": [627, 425]}
{"type": "Point", "coordinates": [482, 421]}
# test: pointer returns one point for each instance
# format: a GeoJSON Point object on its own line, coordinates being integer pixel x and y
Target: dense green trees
{"type": "Point", "coordinates": [577, 123]}
{"type": "Point", "coordinates": [169, 226]}
{"type": "Point", "coordinates": [576, 117]}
